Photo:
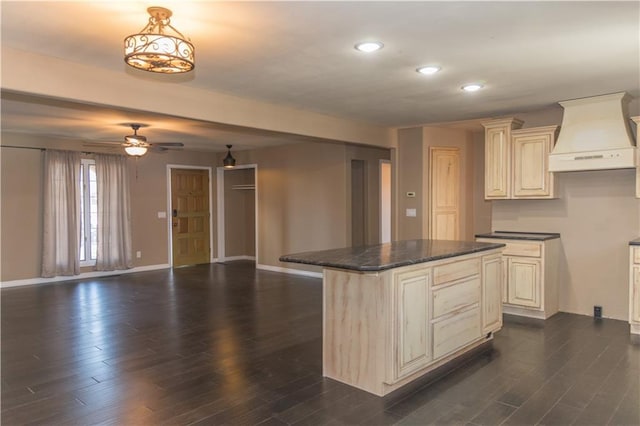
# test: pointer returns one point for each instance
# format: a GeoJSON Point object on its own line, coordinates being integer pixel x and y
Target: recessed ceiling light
{"type": "Point", "coordinates": [369, 46]}
{"type": "Point", "coordinates": [472, 87]}
{"type": "Point", "coordinates": [431, 69]}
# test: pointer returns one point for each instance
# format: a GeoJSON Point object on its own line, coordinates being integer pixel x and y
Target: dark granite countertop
{"type": "Point", "coordinates": [381, 257]}
{"type": "Point", "coordinates": [635, 242]}
{"type": "Point", "coordinates": [531, 236]}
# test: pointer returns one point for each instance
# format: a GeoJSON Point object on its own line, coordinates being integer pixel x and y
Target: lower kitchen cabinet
{"type": "Point", "coordinates": [634, 289]}
{"type": "Point", "coordinates": [524, 281]}
{"type": "Point", "coordinates": [492, 290]}
{"type": "Point", "coordinates": [530, 276]}
{"type": "Point", "coordinates": [412, 290]}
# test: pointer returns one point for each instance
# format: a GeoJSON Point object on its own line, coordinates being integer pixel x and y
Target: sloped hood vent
{"type": "Point", "coordinates": [594, 135]}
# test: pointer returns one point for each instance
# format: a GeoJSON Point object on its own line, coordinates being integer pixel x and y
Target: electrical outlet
{"type": "Point", "coordinates": [138, 254]}
{"type": "Point", "coordinates": [597, 312]}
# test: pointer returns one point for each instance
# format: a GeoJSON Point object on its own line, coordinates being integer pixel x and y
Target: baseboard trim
{"type": "Point", "coordinates": [95, 274]}
{"type": "Point", "coordinates": [523, 312]}
{"type": "Point", "coordinates": [232, 258]}
{"type": "Point", "coordinates": [289, 271]}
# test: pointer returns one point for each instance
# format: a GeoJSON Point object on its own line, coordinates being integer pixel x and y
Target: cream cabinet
{"type": "Point", "coordinates": [531, 149]}
{"type": "Point", "coordinates": [530, 274]}
{"type": "Point", "coordinates": [634, 289]}
{"type": "Point", "coordinates": [412, 293]}
{"type": "Point", "coordinates": [492, 289]}
{"type": "Point", "coordinates": [517, 160]}
{"type": "Point", "coordinates": [381, 330]}
{"type": "Point", "coordinates": [497, 157]}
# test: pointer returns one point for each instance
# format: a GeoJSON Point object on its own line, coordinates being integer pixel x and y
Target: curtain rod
{"type": "Point", "coordinates": [22, 147]}
{"type": "Point", "coordinates": [42, 149]}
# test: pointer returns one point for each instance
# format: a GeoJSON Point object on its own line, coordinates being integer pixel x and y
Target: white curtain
{"type": "Point", "coordinates": [114, 219]}
{"type": "Point", "coordinates": [61, 224]}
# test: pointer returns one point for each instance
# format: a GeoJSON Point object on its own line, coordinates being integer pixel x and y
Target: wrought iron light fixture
{"type": "Point", "coordinates": [229, 162]}
{"type": "Point", "coordinates": [152, 49]}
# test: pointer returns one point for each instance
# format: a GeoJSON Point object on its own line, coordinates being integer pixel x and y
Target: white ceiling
{"type": "Point", "coordinates": [529, 55]}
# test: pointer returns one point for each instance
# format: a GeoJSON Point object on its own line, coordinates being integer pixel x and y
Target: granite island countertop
{"type": "Point", "coordinates": [530, 236]}
{"type": "Point", "coordinates": [635, 242]}
{"type": "Point", "coordinates": [380, 257]}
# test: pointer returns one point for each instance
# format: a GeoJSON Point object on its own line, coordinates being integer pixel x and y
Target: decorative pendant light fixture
{"type": "Point", "coordinates": [152, 49]}
{"type": "Point", "coordinates": [229, 162]}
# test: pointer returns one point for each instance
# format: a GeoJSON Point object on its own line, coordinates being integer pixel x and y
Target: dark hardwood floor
{"type": "Point", "coordinates": [226, 344]}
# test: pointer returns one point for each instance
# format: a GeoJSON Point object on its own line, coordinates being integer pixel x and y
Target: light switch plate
{"type": "Point", "coordinates": [411, 213]}
{"type": "Point", "coordinates": [162, 215]}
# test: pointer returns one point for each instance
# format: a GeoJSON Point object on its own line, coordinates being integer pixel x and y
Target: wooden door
{"type": "Point", "coordinates": [491, 293]}
{"type": "Point", "coordinates": [524, 281]}
{"type": "Point", "coordinates": [444, 194]}
{"type": "Point", "coordinates": [412, 321]}
{"type": "Point", "coordinates": [190, 216]}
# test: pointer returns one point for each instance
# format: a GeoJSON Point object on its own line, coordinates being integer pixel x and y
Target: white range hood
{"type": "Point", "coordinates": [594, 135]}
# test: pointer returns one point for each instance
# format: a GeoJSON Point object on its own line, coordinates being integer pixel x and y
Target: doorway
{"type": "Point", "coordinates": [358, 209]}
{"type": "Point", "coordinates": [385, 201]}
{"type": "Point", "coordinates": [237, 222]}
{"type": "Point", "coordinates": [190, 210]}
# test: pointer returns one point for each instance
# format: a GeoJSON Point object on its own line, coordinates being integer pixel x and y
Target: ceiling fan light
{"type": "Point", "coordinates": [229, 162]}
{"type": "Point", "coordinates": [152, 49]}
{"type": "Point", "coordinates": [135, 150]}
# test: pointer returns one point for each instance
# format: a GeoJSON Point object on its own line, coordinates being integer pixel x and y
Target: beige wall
{"type": "Point", "coordinates": [410, 179]}
{"type": "Point", "coordinates": [413, 176]}
{"type": "Point", "coordinates": [21, 213]}
{"type": "Point", "coordinates": [596, 215]}
{"type": "Point", "coordinates": [21, 205]}
{"type": "Point", "coordinates": [302, 200]}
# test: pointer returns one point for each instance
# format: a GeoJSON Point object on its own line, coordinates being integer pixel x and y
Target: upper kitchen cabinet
{"type": "Point", "coordinates": [497, 157]}
{"type": "Point", "coordinates": [531, 149]}
{"type": "Point", "coordinates": [517, 160]}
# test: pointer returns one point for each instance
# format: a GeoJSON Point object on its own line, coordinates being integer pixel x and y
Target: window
{"type": "Point", "coordinates": [88, 213]}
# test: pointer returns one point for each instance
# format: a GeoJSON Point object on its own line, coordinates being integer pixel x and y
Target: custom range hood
{"type": "Point", "coordinates": [594, 135]}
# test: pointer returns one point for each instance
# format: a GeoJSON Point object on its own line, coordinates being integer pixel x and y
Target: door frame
{"type": "Point", "coordinates": [170, 167]}
{"type": "Point", "coordinates": [381, 207]}
{"type": "Point", "coordinates": [220, 209]}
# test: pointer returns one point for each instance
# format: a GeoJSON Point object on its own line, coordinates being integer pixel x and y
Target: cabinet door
{"type": "Point", "coordinates": [524, 282]}
{"type": "Point", "coordinates": [497, 162]}
{"type": "Point", "coordinates": [412, 321]}
{"type": "Point", "coordinates": [634, 305]}
{"type": "Point", "coordinates": [455, 332]}
{"type": "Point", "coordinates": [491, 293]}
{"type": "Point", "coordinates": [531, 176]}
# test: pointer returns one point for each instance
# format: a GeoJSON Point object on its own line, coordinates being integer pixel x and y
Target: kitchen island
{"type": "Point", "coordinates": [394, 312]}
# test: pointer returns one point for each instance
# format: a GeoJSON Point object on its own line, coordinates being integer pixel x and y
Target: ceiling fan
{"type": "Point", "coordinates": [136, 145]}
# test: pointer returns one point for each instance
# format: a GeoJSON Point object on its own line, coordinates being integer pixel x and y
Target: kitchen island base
{"type": "Point", "coordinates": [383, 330]}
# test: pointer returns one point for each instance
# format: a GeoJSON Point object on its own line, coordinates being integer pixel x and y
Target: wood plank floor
{"type": "Point", "coordinates": [226, 344]}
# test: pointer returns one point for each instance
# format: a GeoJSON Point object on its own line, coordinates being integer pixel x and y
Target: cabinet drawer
{"type": "Point", "coordinates": [455, 271]}
{"type": "Point", "coordinates": [636, 255]}
{"type": "Point", "coordinates": [455, 332]}
{"type": "Point", "coordinates": [455, 297]}
{"type": "Point", "coordinates": [523, 249]}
